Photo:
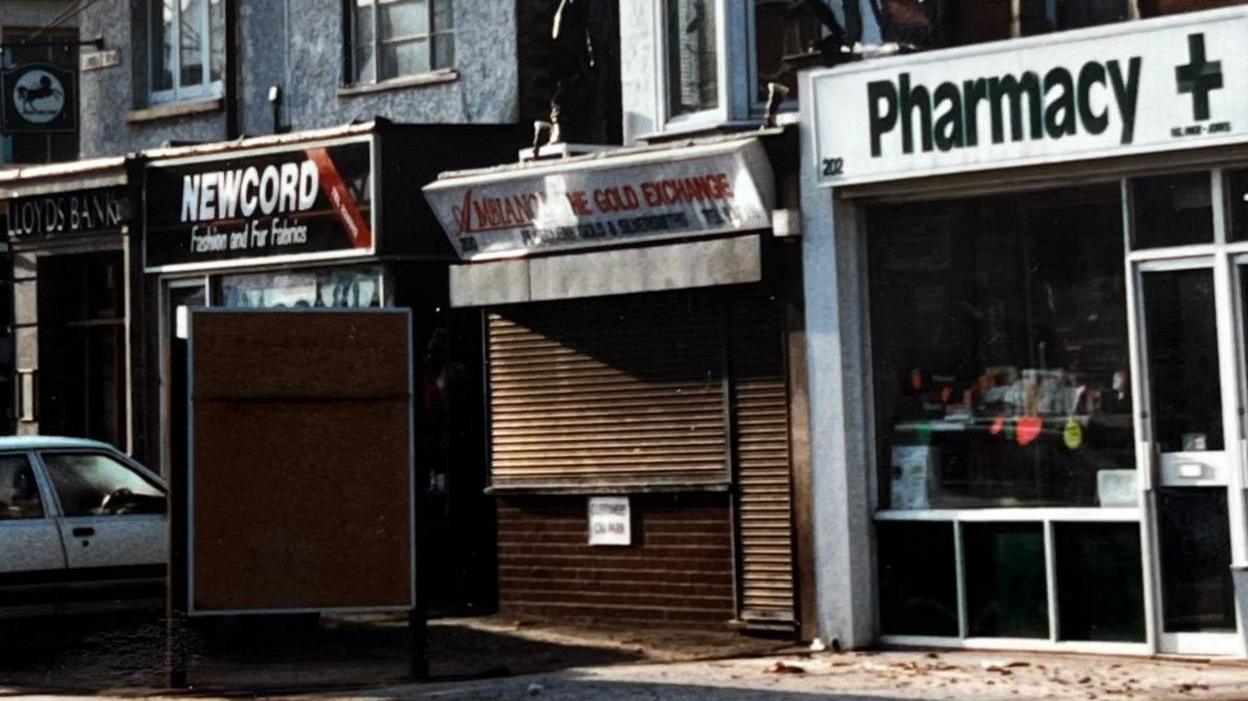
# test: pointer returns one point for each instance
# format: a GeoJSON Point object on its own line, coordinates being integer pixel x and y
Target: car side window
{"type": "Point", "coordinates": [91, 484]}
{"type": "Point", "coordinates": [19, 495]}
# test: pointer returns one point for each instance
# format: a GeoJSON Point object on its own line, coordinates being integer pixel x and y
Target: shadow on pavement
{"type": "Point", "coordinates": [125, 653]}
{"type": "Point", "coordinates": [572, 689]}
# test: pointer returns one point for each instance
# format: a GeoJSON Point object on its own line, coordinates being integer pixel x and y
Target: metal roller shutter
{"type": "Point", "coordinates": [630, 392]}
{"type": "Point", "coordinates": [764, 486]}
{"type": "Point", "coordinates": [608, 392]}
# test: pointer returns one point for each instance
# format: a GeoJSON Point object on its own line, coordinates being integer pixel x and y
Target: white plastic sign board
{"type": "Point", "coordinates": [610, 521]}
{"type": "Point", "coordinates": [1136, 87]}
{"type": "Point", "coordinates": [625, 199]}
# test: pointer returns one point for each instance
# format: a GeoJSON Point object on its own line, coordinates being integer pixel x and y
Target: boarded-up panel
{"type": "Point", "coordinates": [612, 391]}
{"type": "Point", "coordinates": [678, 571]}
{"type": "Point", "coordinates": [281, 355]}
{"type": "Point", "coordinates": [764, 477]}
{"type": "Point", "coordinates": [301, 473]}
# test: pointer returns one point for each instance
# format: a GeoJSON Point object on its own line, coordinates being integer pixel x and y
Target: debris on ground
{"type": "Point", "coordinates": [781, 667]}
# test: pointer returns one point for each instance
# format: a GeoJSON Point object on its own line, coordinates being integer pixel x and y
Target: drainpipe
{"type": "Point", "coordinates": [232, 48]}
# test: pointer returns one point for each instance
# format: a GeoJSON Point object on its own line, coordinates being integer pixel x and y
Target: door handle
{"type": "Point", "coordinates": [83, 531]}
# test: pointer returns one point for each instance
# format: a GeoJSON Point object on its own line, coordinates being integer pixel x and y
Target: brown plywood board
{"type": "Point", "coordinates": [300, 500]}
{"type": "Point", "coordinates": [263, 355]}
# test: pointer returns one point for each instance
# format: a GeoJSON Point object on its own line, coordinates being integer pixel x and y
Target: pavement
{"type": "Point", "coordinates": [861, 676]}
{"type": "Point", "coordinates": [496, 659]}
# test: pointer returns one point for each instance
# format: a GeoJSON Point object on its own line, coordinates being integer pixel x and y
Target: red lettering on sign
{"type": "Point", "coordinates": [580, 205]}
{"type": "Point", "coordinates": [617, 199]}
{"type": "Point", "coordinates": [494, 213]}
{"type": "Point", "coordinates": [676, 191]}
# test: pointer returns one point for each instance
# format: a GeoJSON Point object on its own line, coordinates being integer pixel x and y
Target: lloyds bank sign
{"type": "Point", "coordinates": [1137, 87]}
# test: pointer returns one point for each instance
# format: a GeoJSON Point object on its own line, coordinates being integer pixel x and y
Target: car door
{"type": "Point", "coordinates": [32, 559]}
{"type": "Point", "coordinates": [112, 523]}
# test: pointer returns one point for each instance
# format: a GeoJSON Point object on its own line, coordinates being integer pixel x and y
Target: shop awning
{"type": "Point", "coordinates": [736, 260]}
{"type": "Point", "coordinates": [45, 179]}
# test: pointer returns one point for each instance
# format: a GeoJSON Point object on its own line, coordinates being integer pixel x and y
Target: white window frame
{"type": "Point", "coordinates": [430, 36]}
{"type": "Point", "coordinates": [1221, 256]}
{"type": "Point", "coordinates": [1044, 516]}
{"type": "Point", "coordinates": [725, 12]}
{"type": "Point", "coordinates": [181, 93]}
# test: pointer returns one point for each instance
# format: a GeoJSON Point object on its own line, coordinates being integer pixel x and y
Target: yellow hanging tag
{"type": "Point", "coordinates": [1072, 435]}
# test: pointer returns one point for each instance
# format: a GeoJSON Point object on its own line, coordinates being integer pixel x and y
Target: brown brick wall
{"type": "Point", "coordinates": [679, 570]}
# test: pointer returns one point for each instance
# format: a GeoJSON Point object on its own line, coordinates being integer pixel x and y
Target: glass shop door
{"type": "Point", "coordinates": [1191, 434]}
{"type": "Point", "coordinates": [180, 296]}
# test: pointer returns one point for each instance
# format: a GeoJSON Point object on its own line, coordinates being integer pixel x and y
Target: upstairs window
{"type": "Point", "coordinates": [785, 32]}
{"type": "Point", "coordinates": [939, 23]}
{"type": "Point", "coordinates": [1156, 8]}
{"type": "Point", "coordinates": [692, 56]}
{"type": "Point", "coordinates": [395, 38]}
{"type": "Point", "coordinates": [188, 49]}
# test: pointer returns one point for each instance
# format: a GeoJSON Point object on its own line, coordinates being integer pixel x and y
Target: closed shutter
{"type": "Point", "coordinates": [608, 392]}
{"type": "Point", "coordinates": [764, 496]}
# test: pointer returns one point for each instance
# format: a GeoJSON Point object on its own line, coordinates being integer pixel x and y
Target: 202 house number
{"type": "Point", "coordinates": [833, 167]}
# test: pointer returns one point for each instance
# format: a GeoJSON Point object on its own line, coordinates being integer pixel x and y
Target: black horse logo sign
{"type": "Point", "coordinates": [39, 96]}
{"type": "Point", "coordinates": [46, 90]}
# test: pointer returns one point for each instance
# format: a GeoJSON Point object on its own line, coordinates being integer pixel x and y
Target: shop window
{"type": "Point", "coordinates": [395, 38]}
{"type": "Point", "coordinates": [784, 36]}
{"type": "Point", "coordinates": [1001, 358]}
{"type": "Point", "coordinates": [1172, 210]}
{"type": "Point", "coordinates": [918, 584]}
{"type": "Point", "coordinates": [692, 56]}
{"type": "Point", "coordinates": [82, 346]}
{"type": "Point", "coordinates": [1006, 593]}
{"type": "Point", "coordinates": [58, 47]}
{"type": "Point", "coordinates": [316, 289]}
{"type": "Point", "coordinates": [1100, 583]}
{"type": "Point", "coordinates": [188, 49]}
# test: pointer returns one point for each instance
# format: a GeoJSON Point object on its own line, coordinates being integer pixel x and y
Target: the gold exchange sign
{"type": "Point", "coordinates": [654, 194]}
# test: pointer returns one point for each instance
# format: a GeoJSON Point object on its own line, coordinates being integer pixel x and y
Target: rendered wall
{"type": "Point", "coordinates": [298, 45]}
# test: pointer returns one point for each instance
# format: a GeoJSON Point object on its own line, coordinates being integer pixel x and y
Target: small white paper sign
{"type": "Point", "coordinates": [182, 322]}
{"type": "Point", "coordinates": [610, 521]}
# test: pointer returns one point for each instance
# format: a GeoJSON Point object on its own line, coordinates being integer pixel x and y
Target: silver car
{"type": "Point", "coordinates": [82, 527]}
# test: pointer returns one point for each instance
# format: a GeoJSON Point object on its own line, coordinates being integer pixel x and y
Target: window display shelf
{"type": "Point", "coordinates": [1027, 514]}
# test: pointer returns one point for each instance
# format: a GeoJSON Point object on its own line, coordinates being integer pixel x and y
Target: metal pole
{"type": "Point", "coordinates": [176, 603]}
{"type": "Point", "coordinates": [418, 628]}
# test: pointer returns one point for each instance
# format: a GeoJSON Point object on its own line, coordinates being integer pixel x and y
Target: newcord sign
{"type": "Point", "coordinates": [1117, 90]}
{"type": "Point", "coordinates": [311, 201]}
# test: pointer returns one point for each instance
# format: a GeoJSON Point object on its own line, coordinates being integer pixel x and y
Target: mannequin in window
{"type": "Point", "coordinates": [581, 34]}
